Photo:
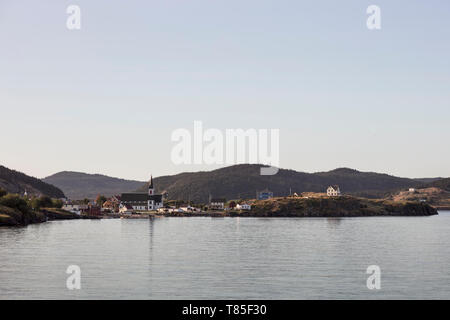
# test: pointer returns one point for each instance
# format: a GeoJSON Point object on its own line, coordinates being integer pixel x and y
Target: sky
{"type": "Point", "coordinates": [106, 98]}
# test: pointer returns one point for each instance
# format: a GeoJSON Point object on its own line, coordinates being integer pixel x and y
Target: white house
{"type": "Point", "coordinates": [187, 209]}
{"type": "Point", "coordinates": [217, 204]}
{"type": "Point", "coordinates": [243, 206]}
{"type": "Point", "coordinates": [75, 208]}
{"type": "Point", "coordinates": [412, 190]}
{"type": "Point", "coordinates": [333, 191]}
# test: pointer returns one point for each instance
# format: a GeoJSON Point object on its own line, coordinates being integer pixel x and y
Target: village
{"type": "Point", "coordinates": [145, 204]}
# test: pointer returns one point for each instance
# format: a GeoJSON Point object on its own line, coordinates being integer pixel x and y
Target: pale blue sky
{"type": "Point", "coordinates": [106, 98]}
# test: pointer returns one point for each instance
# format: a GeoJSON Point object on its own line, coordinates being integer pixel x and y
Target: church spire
{"type": "Point", "coordinates": [150, 186]}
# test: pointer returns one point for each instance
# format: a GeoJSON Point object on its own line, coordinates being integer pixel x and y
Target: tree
{"type": "Point", "coordinates": [100, 200]}
{"type": "Point", "coordinates": [46, 202]}
{"type": "Point", "coordinates": [232, 204]}
{"type": "Point", "coordinates": [57, 203]}
{"type": "Point", "coordinates": [3, 192]}
{"type": "Point", "coordinates": [16, 202]}
{"type": "Point", "coordinates": [35, 203]}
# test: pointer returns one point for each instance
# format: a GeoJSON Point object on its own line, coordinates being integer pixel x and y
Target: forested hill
{"type": "Point", "coordinates": [18, 182]}
{"type": "Point", "coordinates": [242, 181]}
{"type": "Point", "coordinates": [443, 184]}
{"type": "Point", "coordinates": [238, 181]}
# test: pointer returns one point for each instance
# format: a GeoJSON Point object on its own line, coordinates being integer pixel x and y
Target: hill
{"type": "Point", "coordinates": [242, 181]}
{"type": "Point", "coordinates": [238, 181]}
{"type": "Point", "coordinates": [18, 182]}
{"type": "Point", "coordinates": [443, 184]}
{"type": "Point", "coordinates": [77, 185]}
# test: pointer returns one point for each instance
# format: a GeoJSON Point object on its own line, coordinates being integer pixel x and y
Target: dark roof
{"type": "Point", "coordinates": [335, 187]}
{"type": "Point", "coordinates": [151, 183]}
{"type": "Point", "coordinates": [218, 200]}
{"type": "Point", "coordinates": [155, 197]}
{"type": "Point", "coordinates": [140, 197]}
{"type": "Point", "coordinates": [126, 197]}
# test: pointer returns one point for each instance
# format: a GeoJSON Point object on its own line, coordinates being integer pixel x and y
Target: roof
{"type": "Point", "coordinates": [335, 187]}
{"type": "Point", "coordinates": [218, 200]}
{"type": "Point", "coordinates": [151, 183]}
{"type": "Point", "coordinates": [140, 197]}
{"type": "Point", "coordinates": [155, 197]}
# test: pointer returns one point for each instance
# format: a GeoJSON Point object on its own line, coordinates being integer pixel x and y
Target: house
{"type": "Point", "coordinates": [412, 190]}
{"type": "Point", "coordinates": [126, 209]}
{"type": "Point", "coordinates": [333, 191]}
{"type": "Point", "coordinates": [112, 204]}
{"type": "Point", "coordinates": [217, 203]}
{"type": "Point", "coordinates": [187, 209]}
{"type": "Point", "coordinates": [264, 195]}
{"type": "Point", "coordinates": [143, 201]}
{"type": "Point", "coordinates": [93, 210]}
{"type": "Point", "coordinates": [75, 208]}
{"type": "Point", "coordinates": [243, 206]}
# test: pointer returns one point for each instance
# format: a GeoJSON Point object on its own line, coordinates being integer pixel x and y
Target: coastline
{"type": "Point", "coordinates": [344, 206]}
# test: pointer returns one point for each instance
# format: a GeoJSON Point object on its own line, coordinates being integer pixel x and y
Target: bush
{"type": "Point", "coordinates": [57, 203]}
{"type": "Point", "coordinates": [16, 202]}
{"type": "Point", "coordinates": [3, 192]}
{"type": "Point", "coordinates": [45, 202]}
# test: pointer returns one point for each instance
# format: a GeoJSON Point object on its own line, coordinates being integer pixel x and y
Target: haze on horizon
{"type": "Point", "coordinates": [105, 99]}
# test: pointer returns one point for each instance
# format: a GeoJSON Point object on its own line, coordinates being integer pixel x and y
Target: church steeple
{"type": "Point", "coordinates": [151, 191]}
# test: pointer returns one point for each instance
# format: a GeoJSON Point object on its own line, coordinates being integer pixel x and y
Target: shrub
{"type": "Point", "coordinates": [45, 202]}
{"type": "Point", "coordinates": [57, 203]}
{"type": "Point", "coordinates": [16, 202]}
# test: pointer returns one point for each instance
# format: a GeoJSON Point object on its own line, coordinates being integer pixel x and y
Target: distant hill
{"type": "Point", "coordinates": [77, 185]}
{"type": "Point", "coordinates": [242, 181]}
{"type": "Point", "coordinates": [443, 184]}
{"type": "Point", "coordinates": [427, 180]}
{"type": "Point", "coordinates": [18, 182]}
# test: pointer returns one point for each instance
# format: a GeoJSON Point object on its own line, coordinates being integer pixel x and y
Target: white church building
{"type": "Point", "coordinates": [143, 201]}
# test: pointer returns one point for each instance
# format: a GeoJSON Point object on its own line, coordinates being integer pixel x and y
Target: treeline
{"type": "Point", "coordinates": [27, 205]}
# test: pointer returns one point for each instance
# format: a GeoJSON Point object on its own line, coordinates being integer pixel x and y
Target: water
{"type": "Point", "coordinates": [229, 258]}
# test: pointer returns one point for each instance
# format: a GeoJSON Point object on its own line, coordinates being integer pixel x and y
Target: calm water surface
{"type": "Point", "coordinates": [229, 258]}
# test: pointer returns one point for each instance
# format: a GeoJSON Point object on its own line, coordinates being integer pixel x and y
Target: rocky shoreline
{"type": "Point", "coordinates": [14, 218]}
{"type": "Point", "coordinates": [278, 207]}
{"type": "Point", "coordinates": [345, 206]}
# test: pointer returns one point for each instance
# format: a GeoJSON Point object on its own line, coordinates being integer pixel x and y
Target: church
{"type": "Point", "coordinates": [143, 201]}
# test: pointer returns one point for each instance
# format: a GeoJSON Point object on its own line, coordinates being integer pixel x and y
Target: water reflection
{"type": "Point", "coordinates": [333, 223]}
